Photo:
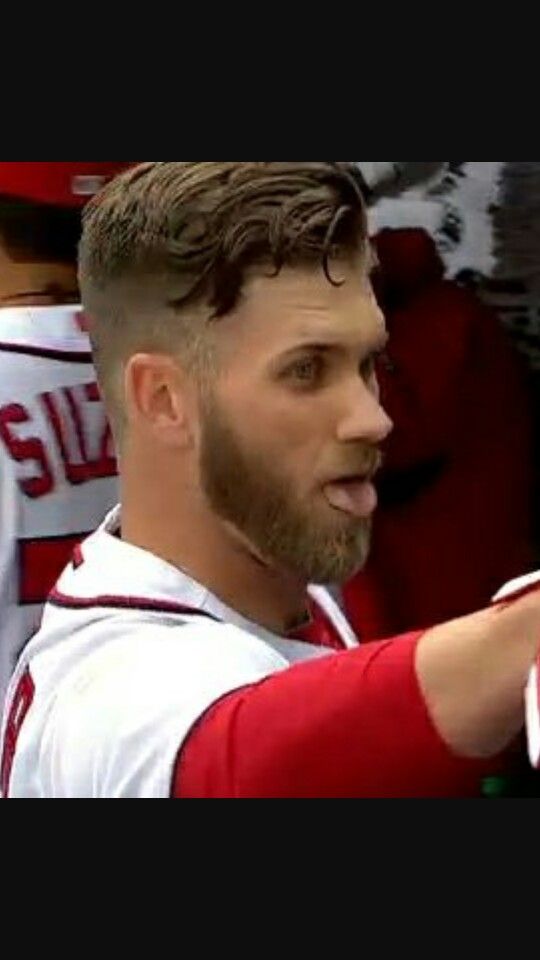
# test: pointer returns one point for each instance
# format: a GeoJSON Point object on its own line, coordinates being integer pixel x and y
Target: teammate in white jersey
{"type": "Point", "coordinates": [57, 469]}
{"type": "Point", "coordinates": [236, 337]}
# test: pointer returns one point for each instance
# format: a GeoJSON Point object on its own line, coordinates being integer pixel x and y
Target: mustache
{"type": "Point", "coordinates": [367, 464]}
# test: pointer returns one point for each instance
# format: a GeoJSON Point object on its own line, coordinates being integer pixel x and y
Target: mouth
{"type": "Point", "coordinates": [353, 495]}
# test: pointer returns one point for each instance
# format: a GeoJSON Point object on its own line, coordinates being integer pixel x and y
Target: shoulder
{"type": "Point", "coordinates": [121, 711]}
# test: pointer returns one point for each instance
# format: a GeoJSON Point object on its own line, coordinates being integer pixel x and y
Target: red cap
{"type": "Point", "coordinates": [56, 182]}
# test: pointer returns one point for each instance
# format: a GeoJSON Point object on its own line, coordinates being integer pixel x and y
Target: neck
{"type": "Point", "coordinates": [199, 544]}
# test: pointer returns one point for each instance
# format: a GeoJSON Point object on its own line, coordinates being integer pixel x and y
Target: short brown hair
{"type": "Point", "coordinates": [170, 234]}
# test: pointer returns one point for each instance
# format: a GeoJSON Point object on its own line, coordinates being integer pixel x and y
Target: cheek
{"type": "Point", "coordinates": [300, 427]}
{"type": "Point", "coordinates": [288, 434]}
{"type": "Point", "coordinates": [273, 417]}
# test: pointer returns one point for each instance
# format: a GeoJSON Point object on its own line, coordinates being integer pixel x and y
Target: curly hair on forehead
{"type": "Point", "coordinates": [170, 236]}
{"type": "Point", "coordinates": [205, 223]}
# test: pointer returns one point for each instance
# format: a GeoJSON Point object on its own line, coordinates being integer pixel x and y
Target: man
{"type": "Point", "coordinates": [57, 471]}
{"type": "Point", "coordinates": [236, 335]}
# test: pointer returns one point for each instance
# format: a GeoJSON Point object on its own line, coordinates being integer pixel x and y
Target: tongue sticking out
{"type": "Point", "coordinates": [357, 497]}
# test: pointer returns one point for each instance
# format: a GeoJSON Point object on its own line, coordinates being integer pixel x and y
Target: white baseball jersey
{"type": "Point", "coordinates": [131, 653]}
{"type": "Point", "coordinates": [57, 469]}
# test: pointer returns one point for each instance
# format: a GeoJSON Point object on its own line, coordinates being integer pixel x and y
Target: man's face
{"type": "Point", "coordinates": [291, 426]}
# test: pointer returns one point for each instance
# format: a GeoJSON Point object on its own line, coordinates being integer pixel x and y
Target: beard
{"type": "Point", "coordinates": [245, 488]}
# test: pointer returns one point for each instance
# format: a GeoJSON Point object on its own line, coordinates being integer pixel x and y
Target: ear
{"type": "Point", "coordinates": [157, 398]}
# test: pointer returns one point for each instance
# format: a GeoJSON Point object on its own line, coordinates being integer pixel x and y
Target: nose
{"type": "Point", "coordinates": [364, 417]}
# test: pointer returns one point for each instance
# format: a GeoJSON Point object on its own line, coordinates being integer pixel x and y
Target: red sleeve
{"type": "Point", "coordinates": [351, 725]}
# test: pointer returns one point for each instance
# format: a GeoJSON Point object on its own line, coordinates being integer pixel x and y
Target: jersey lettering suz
{"type": "Point", "coordinates": [70, 413]}
{"type": "Point", "coordinates": [78, 429]}
{"type": "Point", "coordinates": [58, 475]}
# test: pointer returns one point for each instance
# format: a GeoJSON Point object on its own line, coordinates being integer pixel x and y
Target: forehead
{"type": "Point", "coordinates": [302, 306]}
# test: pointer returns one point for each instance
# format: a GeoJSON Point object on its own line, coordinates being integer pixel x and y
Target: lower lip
{"type": "Point", "coordinates": [357, 498]}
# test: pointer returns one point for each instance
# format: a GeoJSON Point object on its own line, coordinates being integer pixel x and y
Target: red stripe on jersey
{"type": "Point", "coordinates": [41, 561]}
{"type": "Point", "coordinates": [59, 599]}
{"type": "Point", "coordinates": [29, 350]}
{"type": "Point", "coordinates": [22, 701]}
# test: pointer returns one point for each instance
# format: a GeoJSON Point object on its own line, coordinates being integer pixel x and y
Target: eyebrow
{"type": "Point", "coordinates": [376, 345]}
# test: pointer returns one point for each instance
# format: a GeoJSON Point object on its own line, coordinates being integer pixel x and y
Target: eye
{"type": "Point", "coordinates": [306, 371]}
{"type": "Point", "coordinates": [368, 366]}
{"type": "Point", "coordinates": [385, 362]}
